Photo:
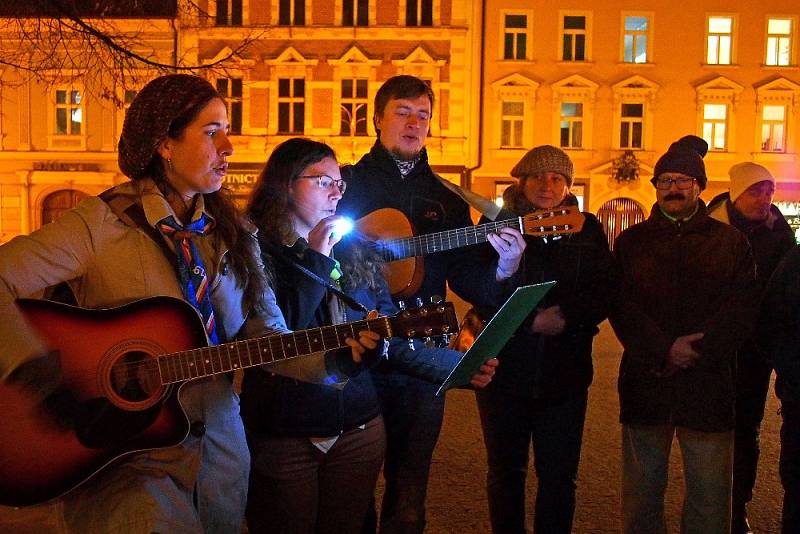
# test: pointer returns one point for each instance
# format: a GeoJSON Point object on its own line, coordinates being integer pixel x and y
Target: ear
{"type": "Point", "coordinates": [376, 122]}
{"type": "Point", "coordinates": [164, 148]}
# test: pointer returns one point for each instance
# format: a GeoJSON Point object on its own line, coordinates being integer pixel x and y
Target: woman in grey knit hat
{"type": "Point", "coordinates": [172, 230]}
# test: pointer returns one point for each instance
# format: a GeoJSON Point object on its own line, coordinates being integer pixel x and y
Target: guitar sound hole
{"type": "Point", "coordinates": [134, 377]}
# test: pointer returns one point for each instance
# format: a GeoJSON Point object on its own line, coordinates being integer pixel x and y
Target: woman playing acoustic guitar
{"type": "Point", "coordinates": [170, 231]}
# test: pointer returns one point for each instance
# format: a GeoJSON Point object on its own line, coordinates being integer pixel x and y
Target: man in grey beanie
{"type": "Point", "coordinates": [686, 304]}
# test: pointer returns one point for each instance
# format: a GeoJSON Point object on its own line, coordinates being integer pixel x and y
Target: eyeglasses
{"type": "Point", "coordinates": [326, 182]}
{"type": "Point", "coordinates": [682, 183]}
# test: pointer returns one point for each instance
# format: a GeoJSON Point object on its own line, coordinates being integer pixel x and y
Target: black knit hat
{"type": "Point", "coordinates": [685, 156]}
{"type": "Point", "coordinates": [151, 115]}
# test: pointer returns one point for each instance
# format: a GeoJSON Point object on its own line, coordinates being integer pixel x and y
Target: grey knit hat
{"type": "Point", "coordinates": [544, 158]}
{"type": "Point", "coordinates": [151, 115]}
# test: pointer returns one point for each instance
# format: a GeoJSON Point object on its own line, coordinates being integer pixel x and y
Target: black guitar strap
{"type": "Point", "coordinates": [281, 255]}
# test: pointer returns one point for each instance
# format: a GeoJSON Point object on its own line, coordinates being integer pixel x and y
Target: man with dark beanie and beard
{"type": "Point", "coordinates": [687, 302]}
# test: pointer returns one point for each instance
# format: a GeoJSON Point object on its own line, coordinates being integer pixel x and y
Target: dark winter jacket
{"type": "Point", "coordinates": [278, 405]}
{"type": "Point", "coordinates": [779, 327]}
{"type": "Point", "coordinates": [375, 183]}
{"type": "Point", "coordinates": [560, 367]}
{"type": "Point", "coordinates": [680, 279]}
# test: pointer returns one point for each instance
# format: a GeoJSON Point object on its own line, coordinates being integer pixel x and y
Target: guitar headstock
{"type": "Point", "coordinates": [425, 321]}
{"type": "Point", "coordinates": [554, 221]}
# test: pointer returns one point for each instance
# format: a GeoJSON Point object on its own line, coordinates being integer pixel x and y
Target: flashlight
{"type": "Point", "coordinates": [342, 226]}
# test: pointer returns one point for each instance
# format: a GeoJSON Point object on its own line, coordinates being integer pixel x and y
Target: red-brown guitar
{"type": "Point", "coordinates": [125, 366]}
{"type": "Point", "coordinates": [394, 239]}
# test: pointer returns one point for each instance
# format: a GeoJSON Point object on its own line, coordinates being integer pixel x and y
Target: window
{"type": "Point", "coordinates": [127, 99]}
{"type": "Point", "coordinates": [773, 129]}
{"type": "Point", "coordinates": [574, 38]}
{"type": "Point", "coordinates": [355, 12]}
{"type": "Point", "coordinates": [630, 127]}
{"type": "Point", "coordinates": [512, 124]}
{"type": "Point", "coordinates": [779, 42]}
{"type": "Point", "coordinates": [292, 13]}
{"type": "Point", "coordinates": [419, 12]}
{"type": "Point", "coordinates": [229, 12]}
{"type": "Point", "coordinates": [291, 105]}
{"type": "Point", "coordinates": [715, 122]}
{"type": "Point", "coordinates": [68, 112]}
{"type": "Point", "coordinates": [719, 41]}
{"type": "Point", "coordinates": [515, 37]}
{"type": "Point", "coordinates": [354, 107]}
{"type": "Point", "coordinates": [634, 40]}
{"type": "Point", "coordinates": [231, 91]}
{"type": "Point", "coordinates": [571, 125]}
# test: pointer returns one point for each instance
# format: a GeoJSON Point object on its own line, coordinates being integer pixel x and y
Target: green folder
{"type": "Point", "coordinates": [496, 334]}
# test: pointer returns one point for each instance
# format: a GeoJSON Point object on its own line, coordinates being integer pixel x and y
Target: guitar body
{"type": "Point", "coordinates": [403, 276]}
{"type": "Point", "coordinates": [108, 363]}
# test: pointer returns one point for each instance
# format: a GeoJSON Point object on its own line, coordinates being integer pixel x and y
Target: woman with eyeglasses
{"type": "Point", "coordinates": [317, 448]}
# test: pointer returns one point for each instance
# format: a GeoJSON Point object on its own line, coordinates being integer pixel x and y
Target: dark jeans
{"type": "Point", "coordinates": [510, 424]}
{"type": "Point", "coordinates": [790, 466]}
{"type": "Point", "coordinates": [413, 415]}
{"type": "Point", "coordinates": [752, 386]}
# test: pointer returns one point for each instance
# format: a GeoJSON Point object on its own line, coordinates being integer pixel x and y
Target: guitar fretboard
{"type": "Point", "coordinates": [207, 361]}
{"type": "Point", "coordinates": [407, 247]}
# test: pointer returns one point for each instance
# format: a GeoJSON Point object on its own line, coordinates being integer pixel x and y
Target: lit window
{"type": "Point", "coordinates": [69, 112]}
{"type": "Point", "coordinates": [715, 121]}
{"type": "Point", "coordinates": [292, 13]}
{"type": "Point", "coordinates": [231, 91]}
{"type": "Point", "coordinates": [779, 42]}
{"type": "Point", "coordinates": [719, 40]}
{"type": "Point", "coordinates": [574, 38]}
{"type": "Point", "coordinates": [355, 12]}
{"type": "Point", "coordinates": [515, 37]}
{"type": "Point", "coordinates": [773, 129]}
{"type": "Point", "coordinates": [635, 40]}
{"type": "Point", "coordinates": [355, 104]}
{"type": "Point", "coordinates": [630, 127]}
{"type": "Point", "coordinates": [512, 122]}
{"type": "Point", "coordinates": [291, 105]}
{"type": "Point", "coordinates": [229, 12]}
{"type": "Point", "coordinates": [419, 12]}
{"type": "Point", "coordinates": [571, 125]}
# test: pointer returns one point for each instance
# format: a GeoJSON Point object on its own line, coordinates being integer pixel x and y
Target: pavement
{"type": "Point", "coordinates": [457, 498]}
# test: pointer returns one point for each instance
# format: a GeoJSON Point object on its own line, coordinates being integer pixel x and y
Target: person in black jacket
{"type": "Point", "coordinates": [396, 174]}
{"type": "Point", "coordinates": [748, 208]}
{"type": "Point", "coordinates": [317, 448]}
{"type": "Point", "coordinates": [540, 391]}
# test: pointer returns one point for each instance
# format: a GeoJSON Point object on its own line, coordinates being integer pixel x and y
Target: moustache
{"type": "Point", "coordinates": [675, 196]}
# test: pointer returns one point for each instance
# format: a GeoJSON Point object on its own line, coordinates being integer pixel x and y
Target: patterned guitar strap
{"type": "Point", "coordinates": [192, 274]}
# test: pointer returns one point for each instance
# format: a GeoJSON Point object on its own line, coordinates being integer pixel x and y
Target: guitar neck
{"type": "Point", "coordinates": [408, 247]}
{"type": "Point", "coordinates": [208, 361]}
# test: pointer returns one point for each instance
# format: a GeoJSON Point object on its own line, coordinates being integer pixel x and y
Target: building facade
{"type": "Point", "coordinates": [613, 83]}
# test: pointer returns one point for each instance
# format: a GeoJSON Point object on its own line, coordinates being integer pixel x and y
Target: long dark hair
{"type": "Point", "coordinates": [230, 226]}
{"type": "Point", "coordinates": [270, 207]}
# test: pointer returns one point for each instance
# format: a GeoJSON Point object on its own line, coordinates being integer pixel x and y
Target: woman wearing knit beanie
{"type": "Point", "coordinates": [170, 231]}
{"type": "Point", "coordinates": [538, 396]}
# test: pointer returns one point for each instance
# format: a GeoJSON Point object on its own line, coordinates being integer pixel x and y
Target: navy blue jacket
{"type": "Point", "coordinates": [278, 405]}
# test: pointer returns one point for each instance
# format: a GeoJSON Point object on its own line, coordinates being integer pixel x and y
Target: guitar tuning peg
{"type": "Point", "coordinates": [436, 299]}
{"type": "Point", "coordinates": [411, 344]}
{"type": "Point", "coordinates": [419, 302]}
{"type": "Point", "coordinates": [401, 304]}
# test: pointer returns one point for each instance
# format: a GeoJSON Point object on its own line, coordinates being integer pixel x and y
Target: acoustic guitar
{"type": "Point", "coordinates": [394, 239]}
{"type": "Point", "coordinates": [125, 367]}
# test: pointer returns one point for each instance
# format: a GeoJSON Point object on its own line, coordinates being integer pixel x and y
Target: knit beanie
{"type": "Point", "coordinates": [743, 175]}
{"type": "Point", "coordinates": [545, 158]}
{"type": "Point", "coordinates": [685, 156]}
{"type": "Point", "coordinates": [150, 117]}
